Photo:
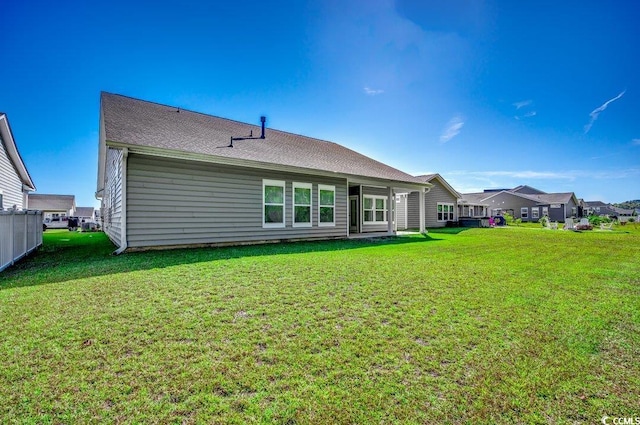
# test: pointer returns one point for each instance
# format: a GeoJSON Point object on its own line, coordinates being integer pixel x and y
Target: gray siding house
{"type": "Point", "coordinates": [440, 204]}
{"type": "Point", "coordinates": [169, 177]}
{"type": "Point", "coordinates": [527, 203]}
{"type": "Point", "coordinates": [15, 181]}
{"type": "Point", "coordinates": [600, 208]}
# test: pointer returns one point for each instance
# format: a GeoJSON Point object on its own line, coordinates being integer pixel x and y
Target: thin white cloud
{"type": "Point", "coordinates": [522, 103]}
{"type": "Point", "coordinates": [372, 92]}
{"type": "Point", "coordinates": [527, 115]}
{"type": "Point", "coordinates": [527, 174]}
{"type": "Point", "coordinates": [609, 155]}
{"type": "Point", "coordinates": [636, 142]}
{"type": "Point", "coordinates": [594, 114]}
{"type": "Point", "coordinates": [551, 175]}
{"type": "Point", "coordinates": [452, 129]}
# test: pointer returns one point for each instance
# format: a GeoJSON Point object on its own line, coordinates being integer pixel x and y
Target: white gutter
{"type": "Point", "coordinates": [123, 205]}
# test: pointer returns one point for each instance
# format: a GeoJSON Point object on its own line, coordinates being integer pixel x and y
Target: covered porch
{"type": "Point", "coordinates": [471, 210]}
{"type": "Point", "coordinates": [373, 208]}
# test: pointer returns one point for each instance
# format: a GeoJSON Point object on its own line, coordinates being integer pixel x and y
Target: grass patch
{"type": "Point", "coordinates": [515, 325]}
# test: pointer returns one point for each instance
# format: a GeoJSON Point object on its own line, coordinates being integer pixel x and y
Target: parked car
{"type": "Point", "coordinates": [55, 223]}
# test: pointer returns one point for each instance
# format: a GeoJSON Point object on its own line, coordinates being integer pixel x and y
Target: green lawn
{"type": "Point", "coordinates": [513, 325]}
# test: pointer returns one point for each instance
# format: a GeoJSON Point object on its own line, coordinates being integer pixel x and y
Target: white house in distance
{"type": "Point", "coordinates": [86, 214]}
{"type": "Point", "coordinates": [15, 181]}
{"type": "Point", "coordinates": [56, 209]}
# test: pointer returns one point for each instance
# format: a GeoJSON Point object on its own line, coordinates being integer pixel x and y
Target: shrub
{"type": "Point", "coordinates": [595, 220]}
{"type": "Point", "coordinates": [508, 218]}
{"type": "Point", "coordinates": [544, 220]}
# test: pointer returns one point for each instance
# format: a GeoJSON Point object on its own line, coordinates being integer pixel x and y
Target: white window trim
{"type": "Point", "coordinates": [524, 212]}
{"type": "Point", "coordinates": [535, 212]}
{"type": "Point", "coordinates": [332, 188]}
{"type": "Point", "coordinates": [281, 183]}
{"type": "Point", "coordinates": [297, 185]}
{"type": "Point", "coordinates": [545, 211]}
{"type": "Point", "coordinates": [374, 209]}
{"type": "Point", "coordinates": [449, 213]}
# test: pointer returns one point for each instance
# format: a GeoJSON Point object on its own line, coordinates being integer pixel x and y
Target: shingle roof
{"type": "Point", "coordinates": [51, 202]}
{"type": "Point", "coordinates": [136, 122]}
{"type": "Point", "coordinates": [475, 198]}
{"type": "Point", "coordinates": [84, 211]}
{"type": "Point", "coordinates": [429, 177]}
{"type": "Point", "coordinates": [545, 198]}
{"type": "Point", "coordinates": [623, 211]}
{"type": "Point", "coordinates": [550, 198]}
{"type": "Point", "coordinates": [527, 190]}
{"type": "Point", "coordinates": [595, 204]}
{"type": "Point", "coordinates": [426, 177]}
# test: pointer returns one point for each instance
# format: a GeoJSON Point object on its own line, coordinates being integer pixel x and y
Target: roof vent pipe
{"type": "Point", "coordinates": [232, 139]}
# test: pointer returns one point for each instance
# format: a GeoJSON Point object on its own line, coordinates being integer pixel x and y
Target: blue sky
{"type": "Point", "coordinates": [488, 94]}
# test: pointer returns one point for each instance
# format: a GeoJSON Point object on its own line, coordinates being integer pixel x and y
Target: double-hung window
{"type": "Point", "coordinates": [301, 204]}
{"type": "Point", "coordinates": [375, 209]}
{"type": "Point", "coordinates": [524, 212]}
{"type": "Point", "coordinates": [445, 211]}
{"type": "Point", "coordinates": [535, 212]}
{"type": "Point", "coordinates": [545, 211]}
{"type": "Point", "coordinates": [326, 205]}
{"type": "Point", "coordinates": [273, 203]}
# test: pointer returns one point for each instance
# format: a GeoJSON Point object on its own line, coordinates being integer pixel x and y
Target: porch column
{"type": "Point", "coordinates": [390, 215]}
{"type": "Point", "coordinates": [421, 209]}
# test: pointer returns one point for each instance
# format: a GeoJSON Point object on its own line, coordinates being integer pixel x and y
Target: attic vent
{"type": "Point", "coordinates": [250, 136]}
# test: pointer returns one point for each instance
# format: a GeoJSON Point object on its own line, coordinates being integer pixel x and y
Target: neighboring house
{"type": "Point", "coordinates": [440, 205]}
{"type": "Point", "coordinates": [56, 209]}
{"type": "Point", "coordinates": [598, 208]}
{"type": "Point", "coordinates": [15, 181]}
{"type": "Point", "coordinates": [172, 177]}
{"type": "Point", "coordinates": [528, 204]}
{"type": "Point", "coordinates": [601, 208]}
{"type": "Point", "coordinates": [20, 229]}
{"type": "Point", "coordinates": [624, 212]}
{"type": "Point", "coordinates": [472, 205]}
{"type": "Point", "coordinates": [85, 214]}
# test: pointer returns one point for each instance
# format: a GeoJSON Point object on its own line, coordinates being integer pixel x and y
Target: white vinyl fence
{"type": "Point", "coordinates": [20, 234]}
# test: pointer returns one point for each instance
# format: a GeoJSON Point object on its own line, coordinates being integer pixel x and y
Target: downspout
{"type": "Point", "coordinates": [123, 205]}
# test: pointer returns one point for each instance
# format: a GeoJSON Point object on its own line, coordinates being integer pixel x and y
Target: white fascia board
{"type": "Point", "coordinates": [14, 155]}
{"type": "Point", "coordinates": [102, 157]}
